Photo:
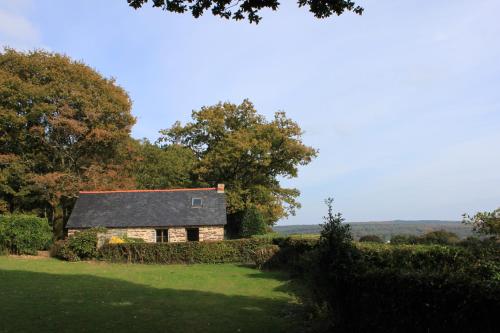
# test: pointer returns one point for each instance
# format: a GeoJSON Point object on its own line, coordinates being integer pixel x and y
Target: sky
{"type": "Point", "coordinates": [402, 102]}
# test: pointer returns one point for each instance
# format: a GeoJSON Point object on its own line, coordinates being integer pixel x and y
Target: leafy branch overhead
{"type": "Point", "coordinates": [250, 9]}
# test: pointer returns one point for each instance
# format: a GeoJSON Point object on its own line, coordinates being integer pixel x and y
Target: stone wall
{"type": "Point", "coordinates": [177, 234]}
{"type": "Point", "coordinates": [148, 234]}
{"type": "Point", "coordinates": [211, 233]}
{"type": "Point", "coordinates": [71, 232]}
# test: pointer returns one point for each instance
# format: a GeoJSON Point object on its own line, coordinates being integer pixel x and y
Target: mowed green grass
{"type": "Point", "coordinates": [47, 295]}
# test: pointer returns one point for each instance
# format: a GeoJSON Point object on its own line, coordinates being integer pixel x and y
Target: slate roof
{"type": "Point", "coordinates": [148, 208]}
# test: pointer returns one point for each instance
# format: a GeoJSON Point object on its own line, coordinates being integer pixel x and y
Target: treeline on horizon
{"type": "Point", "coordinates": [385, 229]}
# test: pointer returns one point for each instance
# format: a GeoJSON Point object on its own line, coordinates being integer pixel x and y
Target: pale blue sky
{"type": "Point", "coordinates": [402, 102]}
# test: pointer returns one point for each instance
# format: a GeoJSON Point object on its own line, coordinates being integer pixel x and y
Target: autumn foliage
{"type": "Point", "coordinates": [65, 128]}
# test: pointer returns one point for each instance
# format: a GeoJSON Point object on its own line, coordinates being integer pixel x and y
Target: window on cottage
{"type": "Point", "coordinates": [196, 203]}
{"type": "Point", "coordinates": [193, 234]}
{"type": "Point", "coordinates": [162, 235]}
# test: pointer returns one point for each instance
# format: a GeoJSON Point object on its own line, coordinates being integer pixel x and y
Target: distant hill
{"type": "Point", "coordinates": [385, 229]}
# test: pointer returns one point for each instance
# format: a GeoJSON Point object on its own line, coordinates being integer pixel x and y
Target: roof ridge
{"type": "Point", "coordinates": [142, 191]}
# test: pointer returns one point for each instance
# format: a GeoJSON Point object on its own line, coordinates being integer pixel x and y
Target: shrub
{"type": "Point", "coordinates": [438, 237]}
{"type": "Point", "coordinates": [24, 234]}
{"type": "Point", "coordinates": [332, 262]}
{"type": "Point", "coordinates": [61, 249]}
{"type": "Point", "coordinates": [81, 245]}
{"type": "Point", "coordinates": [84, 243]}
{"type": "Point", "coordinates": [404, 239]}
{"type": "Point", "coordinates": [240, 250]}
{"type": "Point", "coordinates": [264, 255]}
{"type": "Point", "coordinates": [253, 223]}
{"type": "Point", "coordinates": [371, 238]}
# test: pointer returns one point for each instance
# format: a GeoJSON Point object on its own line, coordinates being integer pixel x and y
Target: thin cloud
{"type": "Point", "coordinates": [17, 31]}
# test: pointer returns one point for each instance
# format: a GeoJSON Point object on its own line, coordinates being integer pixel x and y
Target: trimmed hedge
{"type": "Point", "coordinates": [24, 234]}
{"type": "Point", "coordinates": [239, 250]}
{"type": "Point", "coordinates": [389, 288]}
{"type": "Point", "coordinates": [391, 301]}
{"type": "Point", "coordinates": [396, 288]}
{"type": "Point", "coordinates": [264, 254]}
{"type": "Point", "coordinates": [290, 254]}
{"type": "Point", "coordinates": [480, 263]}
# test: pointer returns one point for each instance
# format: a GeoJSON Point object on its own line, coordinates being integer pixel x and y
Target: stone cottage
{"type": "Point", "coordinates": [175, 215]}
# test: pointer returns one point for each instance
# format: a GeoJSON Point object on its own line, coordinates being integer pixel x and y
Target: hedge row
{"type": "Point", "coordinates": [480, 263]}
{"type": "Point", "coordinates": [290, 254]}
{"type": "Point", "coordinates": [396, 288]}
{"type": "Point", "coordinates": [392, 301]}
{"type": "Point", "coordinates": [241, 251]}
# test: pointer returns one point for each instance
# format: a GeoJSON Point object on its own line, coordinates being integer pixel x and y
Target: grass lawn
{"type": "Point", "coordinates": [47, 295]}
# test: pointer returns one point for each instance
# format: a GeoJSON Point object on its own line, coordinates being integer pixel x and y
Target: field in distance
{"type": "Point", "coordinates": [384, 229]}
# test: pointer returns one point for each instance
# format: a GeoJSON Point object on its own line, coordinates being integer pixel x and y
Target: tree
{"type": "Point", "coordinates": [60, 121]}
{"type": "Point", "coordinates": [241, 9]}
{"type": "Point", "coordinates": [333, 263]}
{"type": "Point", "coordinates": [236, 146]}
{"type": "Point", "coordinates": [158, 168]}
{"type": "Point", "coordinates": [485, 223]}
{"type": "Point", "coordinates": [253, 223]}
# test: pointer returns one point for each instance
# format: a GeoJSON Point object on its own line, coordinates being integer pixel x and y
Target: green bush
{"type": "Point", "coordinates": [84, 243]}
{"type": "Point", "coordinates": [240, 250]}
{"type": "Point", "coordinates": [371, 239]}
{"type": "Point", "coordinates": [80, 246]}
{"type": "Point", "coordinates": [24, 234]}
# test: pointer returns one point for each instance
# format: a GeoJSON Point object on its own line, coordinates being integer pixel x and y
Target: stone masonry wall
{"type": "Point", "coordinates": [211, 233]}
{"type": "Point", "coordinates": [176, 235]}
{"type": "Point", "coordinates": [71, 232]}
{"type": "Point", "coordinates": [148, 234]}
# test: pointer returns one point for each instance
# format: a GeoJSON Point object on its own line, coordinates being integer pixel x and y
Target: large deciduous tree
{"type": "Point", "coordinates": [250, 9]}
{"type": "Point", "coordinates": [157, 168]}
{"type": "Point", "coordinates": [62, 126]}
{"type": "Point", "coordinates": [235, 145]}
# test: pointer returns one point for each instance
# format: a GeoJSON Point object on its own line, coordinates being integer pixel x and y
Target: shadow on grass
{"type": "Point", "coordinates": [42, 302]}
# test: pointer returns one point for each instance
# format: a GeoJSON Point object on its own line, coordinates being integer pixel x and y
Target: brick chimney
{"type": "Point", "coordinates": [220, 188]}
